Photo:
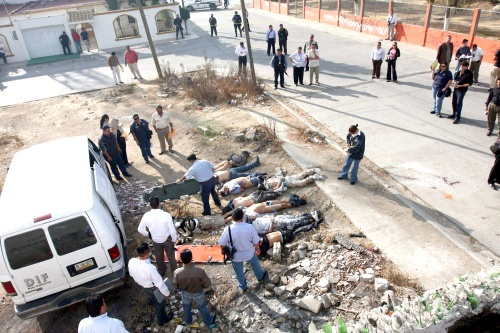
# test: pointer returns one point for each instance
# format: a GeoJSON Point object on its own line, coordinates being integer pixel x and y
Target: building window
{"type": "Point", "coordinates": [6, 47]}
{"type": "Point", "coordinates": [165, 21]}
{"type": "Point", "coordinates": [126, 27]}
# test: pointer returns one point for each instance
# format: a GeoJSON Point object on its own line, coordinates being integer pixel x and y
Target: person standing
{"type": "Point", "coordinates": [178, 27]}
{"type": "Point", "coordinates": [282, 38]}
{"type": "Point", "coordinates": [104, 121]}
{"type": "Point", "coordinates": [2, 53]}
{"type": "Point", "coordinates": [475, 62]}
{"type": "Point", "coordinates": [494, 176]}
{"type": "Point", "coordinates": [237, 24]}
{"type": "Point", "coordinates": [392, 56]}
{"type": "Point", "coordinates": [279, 64]}
{"type": "Point", "coordinates": [271, 40]}
{"type": "Point", "coordinates": [248, 23]}
{"type": "Point", "coordinates": [463, 53]}
{"type": "Point", "coordinates": [442, 79]}
{"type": "Point", "coordinates": [192, 281]}
{"type": "Point", "coordinates": [203, 172]}
{"type": "Point", "coordinates": [65, 42]}
{"type": "Point", "coordinates": [355, 151]}
{"type": "Point", "coordinates": [163, 126]}
{"type": "Point", "coordinates": [307, 47]}
{"type": "Point", "coordinates": [391, 24]}
{"type": "Point", "coordinates": [445, 51]}
{"type": "Point", "coordinates": [213, 25]}
{"type": "Point", "coordinates": [77, 40]}
{"type": "Point", "coordinates": [158, 225]}
{"type": "Point", "coordinates": [142, 136]}
{"type": "Point", "coordinates": [117, 130]}
{"type": "Point", "coordinates": [98, 320]}
{"type": "Point", "coordinates": [377, 57]}
{"type": "Point", "coordinates": [85, 38]}
{"type": "Point", "coordinates": [313, 56]}
{"type": "Point", "coordinates": [131, 58]}
{"type": "Point", "coordinates": [226, 3]}
{"type": "Point", "coordinates": [145, 274]}
{"type": "Point", "coordinates": [298, 60]}
{"type": "Point", "coordinates": [495, 72]}
{"type": "Point", "coordinates": [111, 151]}
{"type": "Point", "coordinates": [241, 52]}
{"type": "Point", "coordinates": [115, 66]}
{"type": "Point", "coordinates": [493, 107]}
{"type": "Point", "coordinates": [463, 80]}
{"type": "Point", "coordinates": [246, 242]}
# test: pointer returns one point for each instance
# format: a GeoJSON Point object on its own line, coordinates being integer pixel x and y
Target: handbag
{"type": "Point", "coordinates": [495, 148]}
{"type": "Point", "coordinates": [448, 92]}
{"type": "Point", "coordinates": [229, 252]}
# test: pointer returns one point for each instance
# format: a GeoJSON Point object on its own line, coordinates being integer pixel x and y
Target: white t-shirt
{"type": "Point", "coordinates": [101, 324]}
{"type": "Point", "coordinates": [315, 53]}
{"type": "Point", "coordinates": [476, 55]}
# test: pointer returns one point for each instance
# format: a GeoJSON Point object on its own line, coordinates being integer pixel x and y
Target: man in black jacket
{"type": "Point", "coordinates": [278, 62]}
{"type": "Point", "coordinates": [178, 27]}
{"type": "Point", "coordinates": [213, 25]}
{"type": "Point", "coordinates": [282, 37]}
{"type": "Point", "coordinates": [65, 42]}
{"type": "Point", "coordinates": [463, 80]}
{"type": "Point", "coordinates": [237, 24]}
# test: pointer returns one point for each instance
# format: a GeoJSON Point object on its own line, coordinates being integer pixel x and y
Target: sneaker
{"type": "Point", "coordinates": [263, 277]}
{"type": "Point", "coordinates": [433, 112]}
{"type": "Point", "coordinates": [317, 176]}
{"type": "Point", "coordinates": [492, 186]}
{"type": "Point", "coordinates": [213, 324]}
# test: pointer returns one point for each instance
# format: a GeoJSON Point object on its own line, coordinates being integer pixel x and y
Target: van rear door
{"type": "Point", "coordinates": [80, 253]}
{"type": "Point", "coordinates": [33, 265]}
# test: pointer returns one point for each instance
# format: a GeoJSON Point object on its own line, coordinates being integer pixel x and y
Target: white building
{"type": "Point", "coordinates": [32, 29]}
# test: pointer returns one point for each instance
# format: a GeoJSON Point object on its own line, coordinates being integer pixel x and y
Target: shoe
{"type": "Point", "coordinates": [183, 38]}
{"type": "Point", "coordinates": [439, 115]}
{"type": "Point", "coordinates": [317, 170]}
{"type": "Point", "coordinates": [128, 175]}
{"type": "Point", "coordinates": [352, 183]}
{"type": "Point", "coordinates": [373, 77]}
{"type": "Point", "coordinates": [387, 80]}
{"type": "Point", "coordinates": [147, 162]}
{"type": "Point", "coordinates": [341, 178]}
{"type": "Point", "coordinates": [171, 151]}
{"type": "Point", "coordinates": [493, 187]}
{"type": "Point", "coordinates": [451, 116]}
{"type": "Point", "coordinates": [302, 201]}
{"type": "Point", "coordinates": [310, 83]}
{"type": "Point", "coordinates": [395, 81]}
{"type": "Point", "coordinates": [263, 277]}
{"type": "Point", "coordinates": [315, 215]}
{"type": "Point", "coordinates": [275, 88]}
{"type": "Point", "coordinates": [121, 82]}
{"type": "Point", "coordinates": [151, 156]}
{"type": "Point", "coordinates": [257, 160]}
{"type": "Point", "coordinates": [116, 83]}
{"type": "Point", "coordinates": [163, 152]}
{"type": "Point", "coordinates": [213, 324]}
{"type": "Point", "coordinates": [433, 112]}
{"type": "Point", "coordinates": [119, 178]}
{"type": "Point", "coordinates": [489, 133]}
{"type": "Point", "coordinates": [317, 82]}
{"type": "Point", "coordinates": [140, 78]}
{"type": "Point", "coordinates": [170, 315]}
{"type": "Point", "coordinates": [282, 86]}
{"type": "Point", "coordinates": [301, 83]}
{"type": "Point", "coordinates": [455, 121]}
{"type": "Point", "coordinates": [135, 78]}
{"type": "Point", "coordinates": [296, 85]}
{"type": "Point", "coordinates": [317, 176]}
{"type": "Point", "coordinates": [476, 83]}
{"type": "Point", "coordinates": [206, 214]}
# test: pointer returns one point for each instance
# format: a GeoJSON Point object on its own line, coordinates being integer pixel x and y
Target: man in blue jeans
{"type": "Point", "coordinates": [111, 151]}
{"type": "Point", "coordinates": [442, 78]}
{"type": "Point", "coordinates": [192, 281]}
{"type": "Point", "coordinates": [246, 242]}
{"type": "Point", "coordinates": [142, 136]}
{"type": "Point", "coordinates": [355, 151]}
{"type": "Point", "coordinates": [463, 80]}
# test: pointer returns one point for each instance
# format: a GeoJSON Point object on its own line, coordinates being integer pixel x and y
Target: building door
{"type": "Point", "coordinates": [90, 30]}
{"type": "Point", "coordinates": [43, 41]}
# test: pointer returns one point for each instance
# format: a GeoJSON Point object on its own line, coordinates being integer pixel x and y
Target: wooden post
{"type": "Point", "coordinates": [473, 27]}
{"type": "Point", "coordinates": [427, 22]}
{"type": "Point", "coordinates": [338, 12]}
{"type": "Point", "coordinates": [361, 14]}
{"type": "Point", "coordinates": [319, 11]}
{"type": "Point", "coordinates": [279, 6]}
{"type": "Point", "coordinates": [391, 4]}
{"type": "Point", "coordinates": [303, 9]}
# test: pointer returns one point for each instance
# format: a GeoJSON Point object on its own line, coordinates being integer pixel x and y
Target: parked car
{"type": "Point", "coordinates": [61, 231]}
{"type": "Point", "coordinates": [202, 4]}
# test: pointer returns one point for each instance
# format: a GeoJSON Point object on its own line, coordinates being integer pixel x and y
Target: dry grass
{"type": "Point", "coordinates": [207, 84]}
{"type": "Point", "coordinates": [269, 129]}
{"type": "Point", "coordinates": [398, 278]}
{"type": "Point", "coordinates": [10, 138]}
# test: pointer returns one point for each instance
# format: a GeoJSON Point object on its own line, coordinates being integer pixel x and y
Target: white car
{"type": "Point", "coordinates": [203, 4]}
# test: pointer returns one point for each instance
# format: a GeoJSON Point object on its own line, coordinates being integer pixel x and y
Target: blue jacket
{"type": "Point", "coordinates": [357, 145]}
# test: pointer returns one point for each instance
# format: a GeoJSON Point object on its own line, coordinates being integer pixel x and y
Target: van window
{"type": "Point", "coordinates": [71, 235]}
{"type": "Point", "coordinates": [27, 249]}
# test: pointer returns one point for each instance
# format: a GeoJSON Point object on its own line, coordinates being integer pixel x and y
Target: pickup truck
{"type": "Point", "coordinates": [203, 4]}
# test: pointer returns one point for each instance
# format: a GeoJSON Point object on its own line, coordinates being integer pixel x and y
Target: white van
{"type": "Point", "coordinates": [61, 231]}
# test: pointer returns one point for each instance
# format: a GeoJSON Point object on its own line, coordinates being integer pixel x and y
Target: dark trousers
{"type": "Point", "coordinates": [281, 75]}
{"type": "Point", "coordinates": [457, 102]}
{"type": "Point", "coordinates": [66, 47]}
{"type": "Point", "coordinates": [2, 55]}
{"type": "Point", "coordinates": [376, 68]}
{"type": "Point", "coordinates": [123, 146]}
{"type": "Point", "coordinates": [283, 45]}
{"type": "Point", "coordinates": [177, 29]}
{"type": "Point", "coordinates": [474, 68]}
{"type": "Point", "coordinates": [160, 308]}
{"type": "Point", "coordinates": [236, 27]}
{"type": "Point", "coordinates": [242, 64]}
{"type": "Point", "coordinates": [213, 29]}
{"type": "Point", "coordinates": [494, 176]}
{"type": "Point", "coordinates": [391, 68]}
{"type": "Point", "coordinates": [160, 250]}
{"type": "Point", "coordinates": [271, 43]}
{"type": "Point", "coordinates": [115, 163]}
{"type": "Point", "coordinates": [207, 189]}
{"type": "Point", "coordinates": [298, 75]}
{"type": "Point", "coordinates": [248, 24]}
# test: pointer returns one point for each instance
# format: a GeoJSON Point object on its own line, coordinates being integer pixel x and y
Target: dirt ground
{"type": "Point", "coordinates": [79, 114]}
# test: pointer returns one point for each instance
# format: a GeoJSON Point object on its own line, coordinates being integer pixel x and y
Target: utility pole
{"type": "Point", "coordinates": [249, 47]}
{"type": "Point", "coordinates": [150, 40]}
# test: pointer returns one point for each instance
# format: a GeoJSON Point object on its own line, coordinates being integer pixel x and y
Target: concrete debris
{"type": "Point", "coordinates": [381, 285]}
{"type": "Point", "coordinates": [311, 303]}
{"type": "Point", "coordinates": [251, 134]}
{"type": "Point", "coordinates": [341, 240]}
{"type": "Point", "coordinates": [277, 251]}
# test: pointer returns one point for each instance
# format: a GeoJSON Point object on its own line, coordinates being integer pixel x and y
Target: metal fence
{"type": "Point", "coordinates": [376, 9]}
{"type": "Point", "coordinates": [350, 7]}
{"type": "Point", "coordinates": [329, 4]}
{"type": "Point", "coordinates": [295, 8]}
{"type": "Point", "coordinates": [489, 24]}
{"type": "Point", "coordinates": [410, 13]}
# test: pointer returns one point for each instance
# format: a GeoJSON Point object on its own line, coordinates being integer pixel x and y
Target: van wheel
{"type": "Point", "coordinates": [213, 6]}
{"type": "Point", "coordinates": [191, 9]}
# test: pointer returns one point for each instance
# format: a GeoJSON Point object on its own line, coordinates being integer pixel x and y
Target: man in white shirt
{"type": "Point", "coordinates": [298, 60]}
{"type": "Point", "coordinates": [163, 125]}
{"type": "Point", "coordinates": [307, 47]}
{"type": "Point", "coordinates": [241, 52]}
{"type": "Point", "coordinates": [476, 60]}
{"type": "Point", "coordinates": [203, 172]}
{"type": "Point", "coordinates": [98, 320]}
{"type": "Point", "coordinates": [391, 23]}
{"type": "Point", "coordinates": [271, 40]}
{"type": "Point", "coordinates": [246, 242]}
{"type": "Point", "coordinates": [161, 230]}
{"type": "Point", "coordinates": [313, 56]}
{"type": "Point", "coordinates": [146, 275]}
{"type": "Point", "coordinates": [377, 57]}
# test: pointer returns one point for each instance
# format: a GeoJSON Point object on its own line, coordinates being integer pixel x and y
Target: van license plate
{"type": "Point", "coordinates": [84, 265]}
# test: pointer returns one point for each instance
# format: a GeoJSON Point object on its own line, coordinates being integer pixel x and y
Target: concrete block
{"type": "Point", "coordinates": [311, 303]}
{"type": "Point", "coordinates": [277, 252]}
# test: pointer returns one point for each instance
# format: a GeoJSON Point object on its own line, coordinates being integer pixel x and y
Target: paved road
{"type": "Point", "coordinates": [445, 165]}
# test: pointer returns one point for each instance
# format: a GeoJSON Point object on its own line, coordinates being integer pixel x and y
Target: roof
{"type": "Point", "coordinates": [49, 178]}
{"type": "Point", "coordinates": [34, 6]}
{"type": "Point", "coordinates": [78, 16]}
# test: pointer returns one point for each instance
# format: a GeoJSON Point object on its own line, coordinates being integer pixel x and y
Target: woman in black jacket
{"type": "Point", "coordinates": [494, 176]}
{"type": "Point", "coordinates": [355, 152]}
{"type": "Point", "coordinates": [392, 56]}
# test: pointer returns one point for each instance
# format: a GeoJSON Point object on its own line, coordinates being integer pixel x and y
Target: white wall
{"type": "Point", "coordinates": [14, 45]}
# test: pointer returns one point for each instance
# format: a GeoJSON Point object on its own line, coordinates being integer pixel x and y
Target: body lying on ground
{"type": "Point", "coordinates": [233, 160]}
